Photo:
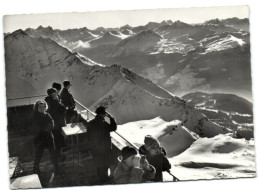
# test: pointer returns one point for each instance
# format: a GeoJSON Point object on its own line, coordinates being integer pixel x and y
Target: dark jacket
{"type": "Point", "coordinates": [124, 174]}
{"type": "Point", "coordinates": [42, 125]}
{"type": "Point", "coordinates": [57, 112]}
{"type": "Point", "coordinates": [160, 162]}
{"type": "Point", "coordinates": [67, 99]}
{"type": "Point", "coordinates": [98, 135]}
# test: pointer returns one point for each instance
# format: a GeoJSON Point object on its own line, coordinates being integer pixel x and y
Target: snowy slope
{"type": "Point", "coordinates": [174, 137]}
{"type": "Point", "coordinates": [194, 158]}
{"type": "Point", "coordinates": [219, 157]}
{"type": "Point", "coordinates": [223, 44]}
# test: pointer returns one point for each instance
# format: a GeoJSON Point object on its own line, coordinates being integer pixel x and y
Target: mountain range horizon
{"type": "Point", "coordinates": [165, 21]}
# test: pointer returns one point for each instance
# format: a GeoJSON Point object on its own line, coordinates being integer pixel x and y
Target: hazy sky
{"type": "Point", "coordinates": [107, 19]}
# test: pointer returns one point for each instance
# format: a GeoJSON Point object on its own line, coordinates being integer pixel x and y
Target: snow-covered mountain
{"type": "Point", "coordinates": [192, 157]}
{"type": "Point", "coordinates": [228, 110]}
{"type": "Point", "coordinates": [184, 58]}
{"type": "Point", "coordinates": [35, 63]}
{"type": "Point", "coordinates": [239, 24]}
{"type": "Point", "coordinates": [109, 38]}
{"type": "Point", "coordinates": [215, 158]}
{"type": "Point", "coordinates": [136, 44]}
{"type": "Point", "coordinates": [137, 72]}
{"type": "Point", "coordinates": [174, 137]}
{"type": "Point", "coordinates": [179, 28]}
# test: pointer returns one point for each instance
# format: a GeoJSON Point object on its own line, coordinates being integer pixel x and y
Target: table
{"type": "Point", "coordinates": [73, 129]}
{"type": "Point", "coordinates": [26, 182]}
{"type": "Point", "coordinates": [70, 131]}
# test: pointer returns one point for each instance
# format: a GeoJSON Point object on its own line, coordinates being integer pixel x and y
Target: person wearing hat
{"type": "Point", "coordinates": [156, 156]}
{"type": "Point", "coordinates": [57, 86]}
{"type": "Point", "coordinates": [132, 168]}
{"type": "Point", "coordinates": [57, 112]}
{"type": "Point", "coordinates": [99, 140]}
{"type": "Point", "coordinates": [67, 100]}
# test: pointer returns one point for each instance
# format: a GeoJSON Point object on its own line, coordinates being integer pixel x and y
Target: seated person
{"type": "Point", "coordinates": [156, 156]}
{"type": "Point", "coordinates": [132, 168]}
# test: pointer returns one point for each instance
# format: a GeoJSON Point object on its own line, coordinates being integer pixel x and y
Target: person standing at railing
{"type": "Point", "coordinates": [133, 168]}
{"type": "Point", "coordinates": [156, 156]}
{"type": "Point", "coordinates": [98, 137]}
{"type": "Point", "coordinates": [68, 101]}
{"type": "Point", "coordinates": [57, 86]}
{"type": "Point", "coordinates": [43, 125]}
{"type": "Point", "coordinates": [57, 112]}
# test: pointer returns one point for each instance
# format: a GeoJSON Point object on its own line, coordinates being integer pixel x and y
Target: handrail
{"type": "Point", "coordinates": [94, 114]}
{"type": "Point", "coordinates": [168, 171]}
{"type": "Point", "coordinates": [84, 107]}
{"type": "Point", "coordinates": [20, 98]}
{"type": "Point", "coordinates": [21, 101]}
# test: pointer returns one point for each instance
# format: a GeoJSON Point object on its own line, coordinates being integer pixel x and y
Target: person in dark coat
{"type": "Point", "coordinates": [98, 135]}
{"type": "Point", "coordinates": [43, 125]}
{"type": "Point", "coordinates": [156, 156]}
{"type": "Point", "coordinates": [57, 86]}
{"type": "Point", "coordinates": [132, 168]}
{"type": "Point", "coordinates": [68, 101]}
{"type": "Point", "coordinates": [57, 112]}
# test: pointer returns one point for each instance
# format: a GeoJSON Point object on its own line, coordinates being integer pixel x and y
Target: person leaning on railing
{"type": "Point", "coordinates": [68, 101]}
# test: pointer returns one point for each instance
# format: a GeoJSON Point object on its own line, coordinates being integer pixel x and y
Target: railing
{"type": "Point", "coordinates": [117, 139]}
{"type": "Point", "coordinates": [83, 110]}
{"type": "Point", "coordinates": [91, 115]}
{"type": "Point", "coordinates": [21, 101]}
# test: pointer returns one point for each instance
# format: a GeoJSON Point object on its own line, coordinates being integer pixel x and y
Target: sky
{"type": "Point", "coordinates": [108, 19]}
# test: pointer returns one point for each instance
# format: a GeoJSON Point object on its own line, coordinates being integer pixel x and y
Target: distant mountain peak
{"type": "Point", "coordinates": [164, 22]}
{"type": "Point", "coordinates": [152, 25]}
{"type": "Point", "coordinates": [110, 34]}
{"type": "Point", "coordinates": [169, 21]}
{"type": "Point", "coordinates": [127, 26]}
{"type": "Point", "coordinates": [40, 27]}
{"type": "Point", "coordinates": [17, 34]}
{"type": "Point", "coordinates": [179, 23]}
{"type": "Point", "coordinates": [215, 21]}
{"type": "Point", "coordinates": [147, 34]}
{"type": "Point", "coordinates": [101, 29]}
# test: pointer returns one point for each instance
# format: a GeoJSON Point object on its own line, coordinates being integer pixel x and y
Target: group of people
{"type": "Point", "coordinates": [48, 119]}
{"type": "Point", "coordinates": [143, 165]}
{"type": "Point", "coordinates": [58, 109]}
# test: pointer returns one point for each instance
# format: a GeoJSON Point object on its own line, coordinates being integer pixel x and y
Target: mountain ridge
{"type": "Point", "coordinates": [57, 63]}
